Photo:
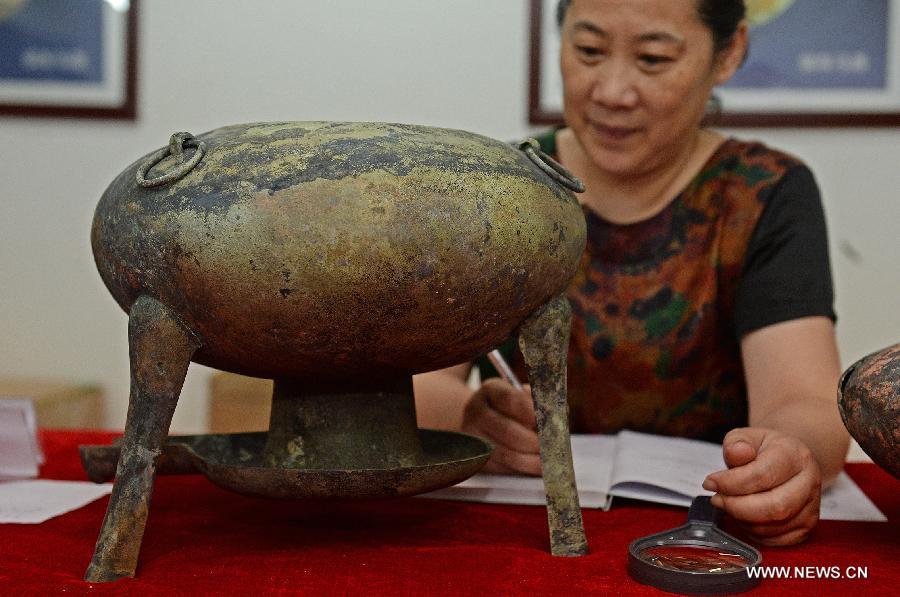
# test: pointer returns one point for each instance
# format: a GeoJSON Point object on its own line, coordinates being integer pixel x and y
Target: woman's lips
{"type": "Point", "coordinates": [616, 133]}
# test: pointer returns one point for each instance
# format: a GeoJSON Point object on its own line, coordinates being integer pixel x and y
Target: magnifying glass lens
{"type": "Point", "coordinates": [697, 558]}
{"type": "Point", "coordinates": [694, 558]}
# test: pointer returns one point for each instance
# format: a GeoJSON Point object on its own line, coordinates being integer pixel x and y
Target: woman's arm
{"type": "Point", "coordinates": [792, 371]}
{"type": "Point", "coordinates": [795, 440]}
{"type": "Point", "coordinates": [441, 397]}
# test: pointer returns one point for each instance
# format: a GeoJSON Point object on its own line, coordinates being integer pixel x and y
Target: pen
{"type": "Point", "coordinates": [504, 369]}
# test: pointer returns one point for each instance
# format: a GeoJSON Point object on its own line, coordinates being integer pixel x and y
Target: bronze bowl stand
{"type": "Point", "coordinates": [350, 443]}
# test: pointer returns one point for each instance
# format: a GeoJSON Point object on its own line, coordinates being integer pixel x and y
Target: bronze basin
{"type": "Point", "coordinates": [333, 249]}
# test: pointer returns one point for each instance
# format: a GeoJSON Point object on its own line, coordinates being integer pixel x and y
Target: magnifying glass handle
{"type": "Point", "coordinates": [702, 510]}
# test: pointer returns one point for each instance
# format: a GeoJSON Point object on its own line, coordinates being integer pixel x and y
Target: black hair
{"type": "Point", "coordinates": [721, 17]}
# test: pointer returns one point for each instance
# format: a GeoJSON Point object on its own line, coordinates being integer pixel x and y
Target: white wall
{"type": "Point", "coordinates": [459, 64]}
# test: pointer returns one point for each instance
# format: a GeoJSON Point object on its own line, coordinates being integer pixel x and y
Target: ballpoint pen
{"type": "Point", "coordinates": [504, 369]}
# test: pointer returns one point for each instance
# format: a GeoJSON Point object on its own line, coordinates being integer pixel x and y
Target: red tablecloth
{"type": "Point", "coordinates": [203, 540]}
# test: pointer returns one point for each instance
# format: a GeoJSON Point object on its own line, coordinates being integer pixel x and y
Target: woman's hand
{"type": "Point", "coordinates": [505, 416]}
{"type": "Point", "coordinates": [772, 486]}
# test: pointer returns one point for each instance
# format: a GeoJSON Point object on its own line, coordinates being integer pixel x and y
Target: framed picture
{"type": "Point", "coordinates": [68, 58]}
{"type": "Point", "coordinates": [811, 63]}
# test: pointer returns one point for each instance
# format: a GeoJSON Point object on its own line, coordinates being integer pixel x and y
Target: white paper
{"type": "Point", "coordinates": [591, 473]}
{"type": "Point", "coordinates": [20, 453]}
{"type": "Point", "coordinates": [27, 406]}
{"type": "Point", "coordinates": [34, 501]}
{"type": "Point", "coordinates": [666, 470]}
{"type": "Point", "coordinates": [844, 500]}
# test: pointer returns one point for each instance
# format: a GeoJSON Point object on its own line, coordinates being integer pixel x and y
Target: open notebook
{"type": "Point", "coordinates": [667, 470]}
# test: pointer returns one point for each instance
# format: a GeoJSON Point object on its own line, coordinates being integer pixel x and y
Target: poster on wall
{"type": "Point", "coordinates": [68, 58]}
{"type": "Point", "coordinates": [810, 63]}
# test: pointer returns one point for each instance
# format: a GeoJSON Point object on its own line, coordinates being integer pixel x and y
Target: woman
{"type": "Point", "coordinates": [703, 304]}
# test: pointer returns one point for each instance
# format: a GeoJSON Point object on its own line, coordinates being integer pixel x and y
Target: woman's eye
{"type": "Point", "coordinates": [588, 51]}
{"type": "Point", "coordinates": [654, 60]}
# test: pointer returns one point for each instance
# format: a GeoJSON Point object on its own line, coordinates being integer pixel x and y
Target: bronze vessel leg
{"type": "Point", "coordinates": [160, 350]}
{"type": "Point", "coordinates": [544, 341]}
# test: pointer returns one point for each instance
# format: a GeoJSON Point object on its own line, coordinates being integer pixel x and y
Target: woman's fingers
{"type": "Point", "coordinates": [512, 403]}
{"type": "Point", "coordinates": [506, 432]}
{"type": "Point", "coordinates": [495, 412]}
{"type": "Point", "coordinates": [786, 533]}
{"type": "Point", "coordinates": [772, 487]}
{"type": "Point", "coordinates": [778, 458]}
{"type": "Point", "coordinates": [780, 504]}
{"type": "Point", "coordinates": [509, 462]}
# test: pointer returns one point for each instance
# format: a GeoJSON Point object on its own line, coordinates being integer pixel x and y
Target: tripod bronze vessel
{"type": "Point", "coordinates": [338, 259]}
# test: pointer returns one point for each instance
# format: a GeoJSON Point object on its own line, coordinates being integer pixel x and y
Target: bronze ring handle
{"type": "Point", "coordinates": [554, 169]}
{"type": "Point", "coordinates": [177, 143]}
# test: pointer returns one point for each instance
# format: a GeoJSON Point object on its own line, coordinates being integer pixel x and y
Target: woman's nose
{"type": "Point", "coordinates": [614, 86]}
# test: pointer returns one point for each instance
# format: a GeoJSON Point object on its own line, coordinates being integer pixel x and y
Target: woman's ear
{"type": "Point", "coordinates": [732, 56]}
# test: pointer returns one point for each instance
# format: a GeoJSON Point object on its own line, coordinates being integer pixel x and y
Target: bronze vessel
{"type": "Point", "coordinates": [869, 401]}
{"type": "Point", "coordinates": [338, 259]}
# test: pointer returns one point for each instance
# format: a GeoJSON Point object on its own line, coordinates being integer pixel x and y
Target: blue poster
{"type": "Point", "coordinates": [52, 40]}
{"type": "Point", "coordinates": [816, 44]}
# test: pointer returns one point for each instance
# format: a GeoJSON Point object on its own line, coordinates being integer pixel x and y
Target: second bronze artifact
{"type": "Point", "coordinates": [869, 401]}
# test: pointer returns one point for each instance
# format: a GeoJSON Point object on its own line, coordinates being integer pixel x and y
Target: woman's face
{"type": "Point", "coordinates": [637, 76]}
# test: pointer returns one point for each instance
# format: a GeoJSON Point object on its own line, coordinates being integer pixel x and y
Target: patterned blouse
{"type": "Point", "coordinates": [659, 306]}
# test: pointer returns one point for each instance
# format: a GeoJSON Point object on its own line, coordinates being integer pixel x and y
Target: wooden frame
{"type": "Point", "coordinates": [111, 94]}
{"type": "Point", "coordinates": [752, 107]}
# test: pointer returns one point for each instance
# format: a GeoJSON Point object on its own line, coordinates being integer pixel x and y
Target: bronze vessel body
{"type": "Point", "coordinates": [869, 401]}
{"type": "Point", "coordinates": [338, 259]}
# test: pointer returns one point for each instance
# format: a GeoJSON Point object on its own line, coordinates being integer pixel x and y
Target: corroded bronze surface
{"type": "Point", "coordinates": [354, 426]}
{"type": "Point", "coordinates": [869, 401]}
{"type": "Point", "coordinates": [544, 341]}
{"type": "Point", "coordinates": [328, 249]}
{"type": "Point", "coordinates": [233, 461]}
{"type": "Point", "coordinates": [339, 259]}
{"type": "Point", "coordinates": [160, 349]}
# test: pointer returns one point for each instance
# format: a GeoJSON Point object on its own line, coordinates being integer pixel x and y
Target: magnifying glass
{"type": "Point", "coordinates": [695, 559]}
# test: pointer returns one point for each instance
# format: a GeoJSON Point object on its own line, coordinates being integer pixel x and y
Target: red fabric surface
{"type": "Point", "coordinates": [203, 540]}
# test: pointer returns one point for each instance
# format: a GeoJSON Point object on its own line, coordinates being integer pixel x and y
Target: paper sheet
{"type": "Point", "coordinates": [20, 454]}
{"type": "Point", "coordinates": [592, 475]}
{"type": "Point", "coordinates": [35, 501]}
{"type": "Point", "coordinates": [844, 500]}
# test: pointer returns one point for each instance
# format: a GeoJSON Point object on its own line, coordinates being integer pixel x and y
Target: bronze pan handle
{"type": "Point", "coordinates": [100, 461]}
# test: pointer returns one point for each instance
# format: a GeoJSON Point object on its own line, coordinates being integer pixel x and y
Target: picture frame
{"type": "Point", "coordinates": [68, 59]}
{"type": "Point", "coordinates": [803, 69]}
